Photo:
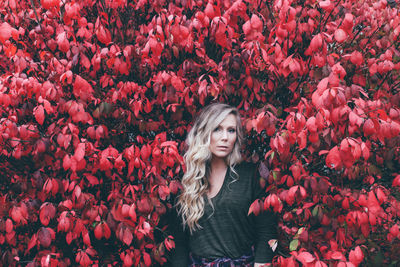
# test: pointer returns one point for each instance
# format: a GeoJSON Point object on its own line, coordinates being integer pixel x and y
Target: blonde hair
{"type": "Point", "coordinates": [198, 158]}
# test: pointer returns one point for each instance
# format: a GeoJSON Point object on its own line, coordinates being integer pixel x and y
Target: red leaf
{"type": "Point", "coordinates": [209, 11]}
{"type": "Point", "coordinates": [373, 204]}
{"type": "Point", "coordinates": [394, 230]}
{"type": "Point", "coordinates": [373, 68]}
{"type": "Point", "coordinates": [256, 23]}
{"type": "Point", "coordinates": [67, 162]}
{"type": "Point", "coordinates": [396, 181]}
{"type": "Point", "coordinates": [311, 124]}
{"type": "Point", "coordinates": [39, 114]}
{"type": "Point", "coordinates": [92, 179]}
{"type": "Point", "coordinates": [345, 203]}
{"type": "Point", "coordinates": [348, 22]}
{"type": "Point", "coordinates": [83, 259]}
{"type": "Point", "coordinates": [106, 230]}
{"type": "Point", "coordinates": [98, 231]}
{"type": "Point", "coordinates": [320, 264]}
{"type": "Point", "coordinates": [175, 185]}
{"type": "Point", "coordinates": [9, 226]}
{"type": "Point", "coordinates": [340, 35]}
{"type": "Point", "coordinates": [177, 83]}
{"type": "Point", "coordinates": [305, 257]}
{"type": "Point", "coordinates": [369, 127]}
{"type": "Point", "coordinates": [47, 212]}
{"type": "Point", "coordinates": [103, 35]}
{"type": "Point", "coordinates": [169, 244]}
{"type": "Point", "coordinates": [48, 4]}
{"type": "Point", "coordinates": [86, 238]}
{"type": "Point", "coordinates": [132, 213]}
{"type": "Point", "coordinates": [316, 42]}
{"type": "Point", "coordinates": [247, 28]}
{"type": "Point", "coordinates": [255, 207]}
{"type": "Point", "coordinates": [144, 205]}
{"type": "Point", "coordinates": [44, 237]}
{"type": "Point", "coordinates": [16, 215]}
{"type": "Point", "coordinates": [128, 260]}
{"type": "Point", "coordinates": [125, 210]}
{"type": "Point", "coordinates": [79, 152]}
{"type": "Point", "coordinates": [333, 160]}
{"type": "Point", "coordinates": [382, 198]}
{"type": "Point", "coordinates": [356, 58]}
{"type": "Point", "coordinates": [145, 152]}
{"type": "Point", "coordinates": [147, 259]}
{"type": "Point", "coordinates": [356, 256]}
{"type": "Point", "coordinates": [63, 43]}
{"type": "Point", "coordinates": [82, 89]}
{"type": "Point", "coordinates": [221, 32]}
{"type": "Point", "coordinates": [127, 237]}
{"type": "Point", "coordinates": [326, 5]}
{"type": "Point", "coordinates": [5, 32]}
{"type": "Point", "coordinates": [32, 243]}
{"type": "Point", "coordinates": [337, 255]}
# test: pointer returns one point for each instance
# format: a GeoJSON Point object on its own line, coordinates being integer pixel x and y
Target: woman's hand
{"type": "Point", "coordinates": [262, 264]}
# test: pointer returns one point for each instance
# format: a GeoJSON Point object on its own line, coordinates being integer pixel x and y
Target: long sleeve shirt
{"type": "Point", "coordinates": [228, 230]}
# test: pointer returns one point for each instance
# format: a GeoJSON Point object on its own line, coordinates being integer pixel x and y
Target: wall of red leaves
{"type": "Point", "coordinates": [96, 97]}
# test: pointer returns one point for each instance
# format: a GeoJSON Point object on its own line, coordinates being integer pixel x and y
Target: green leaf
{"type": "Point", "coordinates": [299, 232]}
{"type": "Point", "coordinates": [105, 108]}
{"type": "Point", "coordinates": [293, 244]}
{"type": "Point", "coordinates": [274, 175]}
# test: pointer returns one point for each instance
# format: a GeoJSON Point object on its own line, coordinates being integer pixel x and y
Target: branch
{"type": "Point", "coordinates": [36, 15]}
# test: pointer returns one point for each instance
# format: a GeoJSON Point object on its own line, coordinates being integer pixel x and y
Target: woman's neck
{"type": "Point", "coordinates": [218, 164]}
{"type": "Point", "coordinates": [218, 169]}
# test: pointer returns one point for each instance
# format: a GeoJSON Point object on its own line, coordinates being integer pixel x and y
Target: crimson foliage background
{"type": "Point", "coordinates": [96, 98]}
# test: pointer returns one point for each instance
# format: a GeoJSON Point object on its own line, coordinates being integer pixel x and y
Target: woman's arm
{"type": "Point", "coordinates": [266, 224]}
{"type": "Point", "coordinates": [266, 230]}
{"type": "Point", "coordinates": [180, 254]}
{"type": "Point", "coordinates": [262, 264]}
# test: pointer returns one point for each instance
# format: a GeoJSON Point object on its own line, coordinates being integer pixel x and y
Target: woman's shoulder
{"type": "Point", "coordinates": [245, 168]}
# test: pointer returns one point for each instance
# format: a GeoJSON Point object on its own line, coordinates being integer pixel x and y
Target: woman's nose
{"type": "Point", "coordinates": [224, 135]}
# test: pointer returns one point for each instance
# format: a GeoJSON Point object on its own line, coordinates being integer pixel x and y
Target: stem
{"type": "Point", "coordinates": [27, 141]}
{"type": "Point", "coordinates": [355, 35]}
{"type": "Point", "coordinates": [383, 80]}
{"type": "Point", "coordinates": [326, 20]}
{"type": "Point", "coordinates": [369, 38]}
{"type": "Point", "coordinates": [270, 11]}
{"type": "Point", "coordinates": [394, 86]}
{"type": "Point", "coordinates": [36, 15]}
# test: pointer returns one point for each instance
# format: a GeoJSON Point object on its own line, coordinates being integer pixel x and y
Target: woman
{"type": "Point", "coordinates": [218, 189]}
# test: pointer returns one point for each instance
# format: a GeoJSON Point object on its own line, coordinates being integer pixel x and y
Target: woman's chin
{"type": "Point", "coordinates": [220, 155]}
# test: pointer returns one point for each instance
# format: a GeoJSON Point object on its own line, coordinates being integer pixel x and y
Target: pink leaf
{"type": "Point", "coordinates": [39, 114]}
{"type": "Point", "coordinates": [305, 257]}
{"type": "Point", "coordinates": [340, 35]}
{"type": "Point", "coordinates": [5, 32]}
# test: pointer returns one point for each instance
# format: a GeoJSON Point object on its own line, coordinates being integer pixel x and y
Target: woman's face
{"type": "Point", "coordinates": [223, 138]}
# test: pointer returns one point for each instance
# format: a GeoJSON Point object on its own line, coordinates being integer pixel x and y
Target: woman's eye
{"type": "Point", "coordinates": [217, 129]}
{"type": "Point", "coordinates": [232, 130]}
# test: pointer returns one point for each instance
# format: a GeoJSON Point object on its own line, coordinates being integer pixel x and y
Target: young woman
{"type": "Point", "coordinates": [218, 189]}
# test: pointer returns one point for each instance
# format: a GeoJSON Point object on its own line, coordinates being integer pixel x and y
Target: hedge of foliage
{"type": "Point", "coordinates": [96, 97]}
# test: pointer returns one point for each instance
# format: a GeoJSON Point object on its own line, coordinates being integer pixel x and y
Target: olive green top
{"type": "Point", "coordinates": [229, 231]}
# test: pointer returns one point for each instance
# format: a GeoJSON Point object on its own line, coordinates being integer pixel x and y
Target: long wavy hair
{"type": "Point", "coordinates": [197, 158]}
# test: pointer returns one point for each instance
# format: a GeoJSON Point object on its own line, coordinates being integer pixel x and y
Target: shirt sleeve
{"type": "Point", "coordinates": [180, 255]}
{"type": "Point", "coordinates": [265, 223]}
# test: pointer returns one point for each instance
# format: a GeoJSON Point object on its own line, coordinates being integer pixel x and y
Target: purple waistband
{"type": "Point", "coordinates": [245, 260]}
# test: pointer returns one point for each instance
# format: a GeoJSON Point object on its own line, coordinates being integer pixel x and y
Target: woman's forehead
{"type": "Point", "coordinates": [229, 121]}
